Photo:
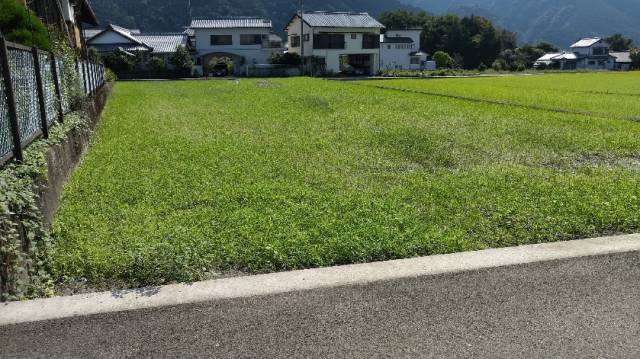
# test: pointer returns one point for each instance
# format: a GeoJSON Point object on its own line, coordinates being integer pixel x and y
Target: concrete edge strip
{"type": "Point", "coordinates": [284, 282]}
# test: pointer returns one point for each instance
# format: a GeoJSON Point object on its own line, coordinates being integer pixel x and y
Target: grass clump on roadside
{"type": "Point", "coordinates": [188, 179]}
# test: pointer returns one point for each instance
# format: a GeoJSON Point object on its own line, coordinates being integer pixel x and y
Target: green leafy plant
{"type": "Point", "coordinates": [289, 58]}
{"type": "Point", "coordinates": [19, 25]}
{"type": "Point", "coordinates": [195, 178]}
{"type": "Point", "coordinates": [157, 65]}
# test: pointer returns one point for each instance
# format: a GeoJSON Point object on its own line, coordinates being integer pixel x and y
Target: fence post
{"type": "Point", "coordinates": [84, 77]}
{"type": "Point", "coordinates": [11, 100]}
{"type": "Point", "coordinates": [57, 81]}
{"type": "Point", "coordinates": [41, 98]}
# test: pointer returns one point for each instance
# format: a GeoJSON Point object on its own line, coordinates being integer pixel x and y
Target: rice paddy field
{"type": "Point", "coordinates": [191, 180]}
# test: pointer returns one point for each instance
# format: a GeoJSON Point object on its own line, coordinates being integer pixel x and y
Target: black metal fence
{"type": "Point", "coordinates": [33, 95]}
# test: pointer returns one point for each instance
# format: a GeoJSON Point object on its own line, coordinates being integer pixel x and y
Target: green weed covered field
{"type": "Point", "coordinates": [192, 178]}
{"type": "Point", "coordinates": [604, 94]}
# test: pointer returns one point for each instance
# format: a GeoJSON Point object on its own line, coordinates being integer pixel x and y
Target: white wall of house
{"type": "Point", "coordinates": [109, 38]}
{"type": "Point", "coordinates": [353, 44]}
{"type": "Point", "coordinates": [396, 56]}
{"type": "Point", "coordinates": [252, 54]}
{"type": "Point", "coordinates": [589, 63]}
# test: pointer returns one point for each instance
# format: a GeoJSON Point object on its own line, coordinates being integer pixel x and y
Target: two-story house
{"type": "Point", "coordinates": [336, 42]}
{"type": "Point", "coordinates": [593, 53]}
{"type": "Point", "coordinates": [400, 50]}
{"type": "Point", "coordinates": [590, 53]}
{"type": "Point", "coordinates": [244, 41]}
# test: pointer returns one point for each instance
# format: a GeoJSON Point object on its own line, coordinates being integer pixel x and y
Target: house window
{"type": "Point", "coordinates": [370, 41]}
{"type": "Point", "coordinates": [415, 60]}
{"type": "Point", "coordinates": [592, 62]}
{"type": "Point", "coordinates": [598, 51]}
{"type": "Point", "coordinates": [250, 39]}
{"type": "Point", "coordinates": [221, 40]}
{"type": "Point", "coordinates": [328, 41]}
{"type": "Point", "coordinates": [295, 41]}
{"type": "Point", "coordinates": [354, 36]}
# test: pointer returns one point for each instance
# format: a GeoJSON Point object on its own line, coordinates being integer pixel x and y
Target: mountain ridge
{"type": "Point", "coordinates": [172, 15]}
{"type": "Point", "coordinates": [558, 22]}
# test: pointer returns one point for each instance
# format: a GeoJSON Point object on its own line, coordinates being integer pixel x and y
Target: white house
{"type": "Point", "coordinates": [116, 38]}
{"type": "Point", "coordinates": [400, 50]}
{"type": "Point", "coordinates": [242, 40]}
{"type": "Point", "coordinates": [336, 42]}
{"type": "Point", "coordinates": [591, 53]}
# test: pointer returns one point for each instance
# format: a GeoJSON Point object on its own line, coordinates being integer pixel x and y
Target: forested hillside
{"type": "Point", "coordinates": [172, 15]}
{"type": "Point", "coordinates": [560, 22]}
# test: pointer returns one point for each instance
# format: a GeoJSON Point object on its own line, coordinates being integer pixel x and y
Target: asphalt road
{"type": "Point", "coordinates": [578, 308]}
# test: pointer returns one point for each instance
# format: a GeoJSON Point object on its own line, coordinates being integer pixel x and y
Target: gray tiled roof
{"type": "Point", "coordinates": [124, 47]}
{"type": "Point", "coordinates": [230, 23]}
{"type": "Point", "coordinates": [163, 42]}
{"type": "Point", "coordinates": [341, 19]}
{"type": "Point", "coordinates": [622, 57]}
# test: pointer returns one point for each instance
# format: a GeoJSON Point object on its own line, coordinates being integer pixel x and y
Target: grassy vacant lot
{"type": "Point", "coordinates": [187, 179]}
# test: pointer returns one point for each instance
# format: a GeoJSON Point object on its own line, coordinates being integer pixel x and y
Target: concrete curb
{"type": "Point", "coordinates": [276, 283]}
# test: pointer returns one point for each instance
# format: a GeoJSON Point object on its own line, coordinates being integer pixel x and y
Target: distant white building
{"type": "Point", "coordinates": [244, 40]}
{"type": "Point", "coordinates": [400, 50]}
{"type": "Point", "coordinates": [592, 53]}
{"type": "Point", "coordinates": [336, 42]}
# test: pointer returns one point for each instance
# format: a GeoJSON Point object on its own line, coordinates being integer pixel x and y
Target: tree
{"type": "Point", "coordinates": [473, 40]}
{"type": "Point", "coordinates": [182, 60]}
{"type": "Point", "coordinates": [547, 47]}
{"type": "Point", "coordinates": [619, 42]}
{"type": "Point", "coordinates": [403, 19]}
{"type": "Point", "coordinates": [19, 25]}
{"type": "Point", "coordinates": [635, 58]}
{"type": "Point", "coordinates": [443, 60]}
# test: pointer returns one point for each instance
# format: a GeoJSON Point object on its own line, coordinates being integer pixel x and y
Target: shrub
{"type": "Point", "coordinates": [71, 82]}
{"type": "Point", "coordinates": [443, 60]}
{"type": "Point", "coordinates": [93, 55]}
{"type": "Point", "coordinates": [119, 62]}
{"type": "Point", "coordinates": [19, 25]}
{"type": "Point", "coordinates": [482, 67]}
{"type": "Point", "coordinates": [288, 58]}
{"type": "Point", "coordinates": [110, 75]}
{"type": "Point", "coordinates": [499, 65]}
{"type": "Point", "coordinates": [157, 65]}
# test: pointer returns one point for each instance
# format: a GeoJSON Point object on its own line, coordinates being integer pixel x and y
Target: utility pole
{"type": "Point", "coordinates": [189, 9]}
{"type": "Point", "coordinates": [302, 36]}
